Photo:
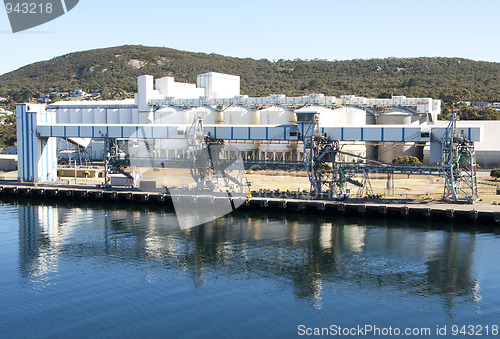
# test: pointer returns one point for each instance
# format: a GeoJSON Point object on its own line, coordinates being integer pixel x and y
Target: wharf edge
{"type": "Point", "coordinates": [389, 209]}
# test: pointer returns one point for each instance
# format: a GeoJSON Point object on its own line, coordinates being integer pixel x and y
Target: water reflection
{"type": "Point", "coordinates": [309, 254]}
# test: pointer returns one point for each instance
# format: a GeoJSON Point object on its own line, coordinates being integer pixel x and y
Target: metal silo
{"type": "Point", "coordinates": [100, 115]}
{"type": "Point", "coordinates": [87, 116]}
{"type": "Point", "coordinates": [275, 150]}
{"type": "Point", "coordinates": [170, 148]}
{"type": "Point", "coordinates": [371, 147]}
{"type": "Point", "coordinates": [209, 115]}
{"type": "Point", "coordinates": [387, 151]}
{"type": "Point", "coordinates": [349, 116]}
{"type": "Point", "coordinates": [75, 116]}
{"type": "Point", "coordinates": [239, 115]}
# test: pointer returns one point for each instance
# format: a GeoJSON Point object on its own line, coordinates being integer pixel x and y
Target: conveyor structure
{"type": "Point", "coordinates": [328, 173]}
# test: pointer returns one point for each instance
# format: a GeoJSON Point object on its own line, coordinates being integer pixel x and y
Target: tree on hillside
{"type": "Point", "coordinates": [114, 71]}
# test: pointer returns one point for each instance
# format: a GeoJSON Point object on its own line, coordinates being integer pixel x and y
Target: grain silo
{"type": "Point", "coordinates": [100, 115]}
{"type": "Point", "coordinates": [387, 151]}
{"type": "Point", "coordinates": [75, 116]}
{"type": "Point", "coordinates": [371, 147]}
{"type": "Point", "coordinates": [276, 150]}
{"type": "Point", "coordinates": [209, 115]}
{"type": "Point", "coordinates": [351, 116]}
{"type": "Point", "coordinates": [243, 116]}
{"type": "Point", "coordinates": [170, 148]}
{"type": "Point", "coordinates": [62, 115]}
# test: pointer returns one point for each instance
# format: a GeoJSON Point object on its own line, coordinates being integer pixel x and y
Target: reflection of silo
{"type": "Point", "coordinates": [399, 116]}
{"type": "Point", "coordinates": [351, 116]}
{"type": "Point", "coordinates": [238, 115]}
{"type": "Point", "coordinates": [170, 148]}
{"type": "Point", "coordinates": [354, 237]}
{"type": "Point", "coordinates": [275, 150]}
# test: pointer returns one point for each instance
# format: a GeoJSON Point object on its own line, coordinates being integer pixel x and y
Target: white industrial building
{"type": "Point", "coordinates": [216, 98]}
{"type": "Point", "coordinates": [263, 128]}
{"type": "Point", "coordinates": [488, 149]}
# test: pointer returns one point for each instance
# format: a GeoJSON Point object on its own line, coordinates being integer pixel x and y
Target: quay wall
{"type": "Point", "coordinates": [453, 213]}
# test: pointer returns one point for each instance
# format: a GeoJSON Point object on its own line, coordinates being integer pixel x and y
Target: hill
{"type": "Point", "coordinates": [113, 72]}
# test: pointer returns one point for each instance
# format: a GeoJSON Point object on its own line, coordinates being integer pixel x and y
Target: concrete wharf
{"type": "Point", "coordinates": [382, 208]}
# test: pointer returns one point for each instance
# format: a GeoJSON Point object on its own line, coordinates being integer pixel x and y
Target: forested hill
{"type": "Point", "coordinates": [114, 71]}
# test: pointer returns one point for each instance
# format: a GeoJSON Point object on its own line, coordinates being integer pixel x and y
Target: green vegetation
{"type": "Point", "coordinates": [113, 72]}
{"type": "Point", "coordinates": [8, 135]}
{"type": "Point", "coordinates": [469, 113]}
{"type": "Point", "coordinates": [495, 173]}
{"type": "Point", "coordinates": [406, 160]}
{"type": "Point", "coordinates": [60, 173]}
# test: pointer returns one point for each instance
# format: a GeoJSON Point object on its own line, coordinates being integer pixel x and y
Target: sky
{"type": "Point", "coordinates": [270, 29]}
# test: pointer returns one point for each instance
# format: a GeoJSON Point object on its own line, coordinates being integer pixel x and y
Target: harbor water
{"type": "Point", "coordinates": [95, 271]}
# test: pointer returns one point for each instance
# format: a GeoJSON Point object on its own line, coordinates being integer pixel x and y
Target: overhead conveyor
{"type": "Point", "coordinates": [318, 133]}
{"type": "Point", "coordinates": [37, 131]}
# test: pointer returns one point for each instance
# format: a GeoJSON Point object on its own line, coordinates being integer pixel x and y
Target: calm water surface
{"type": "Point", "coordinates": [73, 271]}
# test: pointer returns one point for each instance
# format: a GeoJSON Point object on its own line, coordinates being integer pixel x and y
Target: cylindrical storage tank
{"type": "Point", "coordinates": [349, 116]}
{"type": "Point", "coordinates": [387, 151]}
{"type": "Point", "coordinates": [100, 115]}
{"type": "Point", "coordinates": [170, 148]}
{"type": "Point", "coordinates": [87, 116]}
{"type": "Point", "coordinates": [358, 149]}
{"type": "Point", "coordinates": [239, 115]}
{"type": "Point", "coordinates": [404, 116]}
{"type": "Point", "coordinates": [75, 116]}
{"type": "Point", "coordinates": [113, 116]}
{"type": "Point", "coordinates": [276, 115]}
{"type": "Point", "coordinates": [370, 118]}
{"type": "Point", "coordinates": [371, 147]}
{"type": "Point", "coordinates": [62, 116]}
{"type": "Point", "coordinates": [327, 117]}
{"type": "Point", "coordinates": [170, 115]}
{"type": "Point", "coordinates": [399, 116]}
{"type": "Point", "coordinates": [209, 115]}
{"type": "Point", "coordinates": [372, 150]}
{"type": "Point", "coordinates": [395, 119]}
{"type": "Point", "coordinates": [125, 116]}
{"type": "Point", "coordinates": [274, 150]}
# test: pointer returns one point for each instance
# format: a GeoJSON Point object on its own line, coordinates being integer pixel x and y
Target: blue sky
{"type": "Point", "coordinates": [324, 29]}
